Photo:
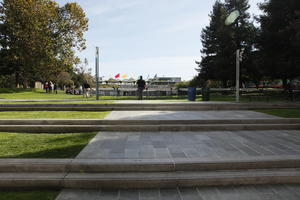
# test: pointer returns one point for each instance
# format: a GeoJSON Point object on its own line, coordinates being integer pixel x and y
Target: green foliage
{"type": "Point", "coordinates": [38, 38]}
{"type": "Point", "coordinates": [279, 38]}
{"type": "Point", "coordinates": [182, 84]}
{"type": "Point", "coordinates": [220, 42]}
{"type": "Point", "coordinates": [24, 145]}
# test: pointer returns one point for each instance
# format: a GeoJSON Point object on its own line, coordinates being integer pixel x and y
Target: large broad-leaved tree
{"type": "Point", "coordinates": [38, 38]}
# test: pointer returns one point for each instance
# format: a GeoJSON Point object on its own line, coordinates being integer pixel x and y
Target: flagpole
{"type": "Point", "coordinates": [97, 73]}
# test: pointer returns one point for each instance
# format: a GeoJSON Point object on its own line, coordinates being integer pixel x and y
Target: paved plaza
{"type": "Point", "coordinates": [191, 146]}
{"type": "Point", "coordinates": [180, 145]}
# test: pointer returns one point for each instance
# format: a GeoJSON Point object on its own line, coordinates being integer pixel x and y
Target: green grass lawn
{"type": "Point", "coordinates": [248, 98]}
{"type": "Point", "coordinates": [52, 114]}
{"type": "Point", "coordinates": [167, 98]}
{"type": "Point", "coordinates": [288, 113]}
{"type": "Point", "coordinates": [36, 94]}
{"type": "Point", "coordinates": [57, 102]}
{"type": "Point", "coordinates": [24, 145]}
{"type": "Point", "coordinates": [29, 195]}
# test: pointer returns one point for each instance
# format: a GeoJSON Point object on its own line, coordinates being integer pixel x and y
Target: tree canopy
{"type": "Point", "coordinates": [38, 38]}
{"type": "Point", "coordinates": [270, 51]}
{"type": "Point", "coordinates": [278, 38]}
{"type": "Point", "coordinates": [220, 41]}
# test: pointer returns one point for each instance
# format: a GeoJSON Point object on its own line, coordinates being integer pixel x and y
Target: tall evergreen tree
{"type": "Point", "coordinates": [220, 42]}
{"type": "Point", "coordinates": [279, 38]}
{"type": "Point", "coordinates": [214, 38]}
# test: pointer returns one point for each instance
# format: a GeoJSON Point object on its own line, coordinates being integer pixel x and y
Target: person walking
{"type": "Point", "coordinates": [86, 89]}
{"type": "Point", "coordinates": [141, 86]}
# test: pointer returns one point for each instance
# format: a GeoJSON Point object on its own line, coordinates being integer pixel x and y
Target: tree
{"type": "Point", "coordinates": [212, 39]}
{"type": "Point", "coordinates": [38, 38]}
{"type": "Point", "coordinates": [220, 42]}
{"type": "Point", "coordinates": [279, 38]}
{"type": "Point", "coordinates": [64, 79]}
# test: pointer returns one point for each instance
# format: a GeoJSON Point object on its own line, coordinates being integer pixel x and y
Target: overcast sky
{"type": "Point", "coordinates": [146, 37]}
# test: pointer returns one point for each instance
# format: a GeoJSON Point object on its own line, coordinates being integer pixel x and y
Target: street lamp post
{"type": "Point", "coordinates": [237, 75]}
{"type": "Point", "coordinates": [97, 73]}
{"type": "Point", "coordinates": [232, 18]}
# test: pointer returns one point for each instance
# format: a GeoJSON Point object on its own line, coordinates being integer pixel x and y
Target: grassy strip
{"type": "Point", "coordinates": [248, 98]}
{"type": "Point", "coordinates": [52, 114]}
{"type": "Point", "coordinates": [30, 94]}
{"type": "Point", "coordinates": [57, 102]}
{"type": "Point", "coordinates": [167, 98]}
{"type": "Point", "coordinates": [29, 195]}
{"type": "Point", "coordinates": [288, 113]}
{"type": "Point", "coordinates": [24, 145]}
{"type": "Point", "coordinates": [37, 94]}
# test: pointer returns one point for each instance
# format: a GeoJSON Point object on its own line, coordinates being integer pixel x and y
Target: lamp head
{"type": "Point", "coordinates": [232, 17]}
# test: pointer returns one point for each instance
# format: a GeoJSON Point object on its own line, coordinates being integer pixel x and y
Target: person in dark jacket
{"type": "Point", "coordinates": [141, 86]}
{"type": "Point", "coordinates": [86, 89]}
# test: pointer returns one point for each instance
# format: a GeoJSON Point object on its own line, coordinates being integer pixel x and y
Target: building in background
{"type": "Point", "coordinates": [157, 86]}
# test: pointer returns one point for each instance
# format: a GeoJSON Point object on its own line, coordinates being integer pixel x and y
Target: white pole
{"type": "Point", "coordinates": [237, 75]}
{"type": "Point", "coordinates": [97, 73]}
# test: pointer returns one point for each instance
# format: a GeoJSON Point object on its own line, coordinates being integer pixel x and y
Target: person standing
{"type": "Point", "coordinates": [86, 89]}
{"type": "Point", "coordinates": [55, 88]}
{"type": "Point", "coordinates": [141, 86]}
{"type": "Point", "coordinates": [46, 86]}
{"type": "Point", "coordinates": [50, 86]}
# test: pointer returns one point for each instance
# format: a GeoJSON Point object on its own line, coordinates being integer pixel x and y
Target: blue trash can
{"type": "Point", "coordinates": [192, 94]}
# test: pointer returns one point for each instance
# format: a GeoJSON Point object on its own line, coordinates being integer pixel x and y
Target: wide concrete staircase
{"type": "Point", "coordinates": [122, 174]}
{"type": "Point", "coordinates": [148, 173]}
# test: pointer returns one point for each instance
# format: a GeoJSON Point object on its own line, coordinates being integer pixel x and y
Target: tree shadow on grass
{"type": "Point", "coordinates": [62, 152]}
{"type": "Point", "coordinates": [74, 137]}
{"type": "Point", "coordinates": [18, 194]}
{"type": "Point", "coordinates": [15, 90]}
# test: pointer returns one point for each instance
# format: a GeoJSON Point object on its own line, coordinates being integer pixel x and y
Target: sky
{"type": "Point", "coordinates": [146, 37]}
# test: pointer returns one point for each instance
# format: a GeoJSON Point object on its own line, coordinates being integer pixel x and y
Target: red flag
{"type": "Point", "coordinates": [117, 76]}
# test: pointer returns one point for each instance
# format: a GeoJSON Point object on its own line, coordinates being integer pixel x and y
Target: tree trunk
{"type": "Point", "coordinates": [17, 79]}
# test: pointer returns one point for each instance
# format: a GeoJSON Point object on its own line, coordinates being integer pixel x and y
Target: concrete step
{"type": "Point", "coordinates": [168, 106]}
{"type": "Point", "coordinates": [147, 128]}
{"type": "Point", "coordinates": [149, 180]}
{"type": "Point", "coordinates": [146, 122]}
{"type": "Point", "coordinates": [144, 165]}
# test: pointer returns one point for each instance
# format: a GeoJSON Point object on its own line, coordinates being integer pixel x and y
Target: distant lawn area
{"type": "Point", "coordinates": [167, 98]}
{"type": "Point", "coordinates": [24, 145]}
{"type": "Point", "coordinates": [288, 113]}
{"type": "Point", "coordinates": [267, 95]}
{"type": "Point", "coordinates": [29, 195]}
{"type": "Point", "coordinates": [244, 98]}
{"type": "Point", "coordinates": [52, 114]}
{"type": "Point", "coordinates": [88, 101]}
{"type": "Point", "coordinates": [38, 94]}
